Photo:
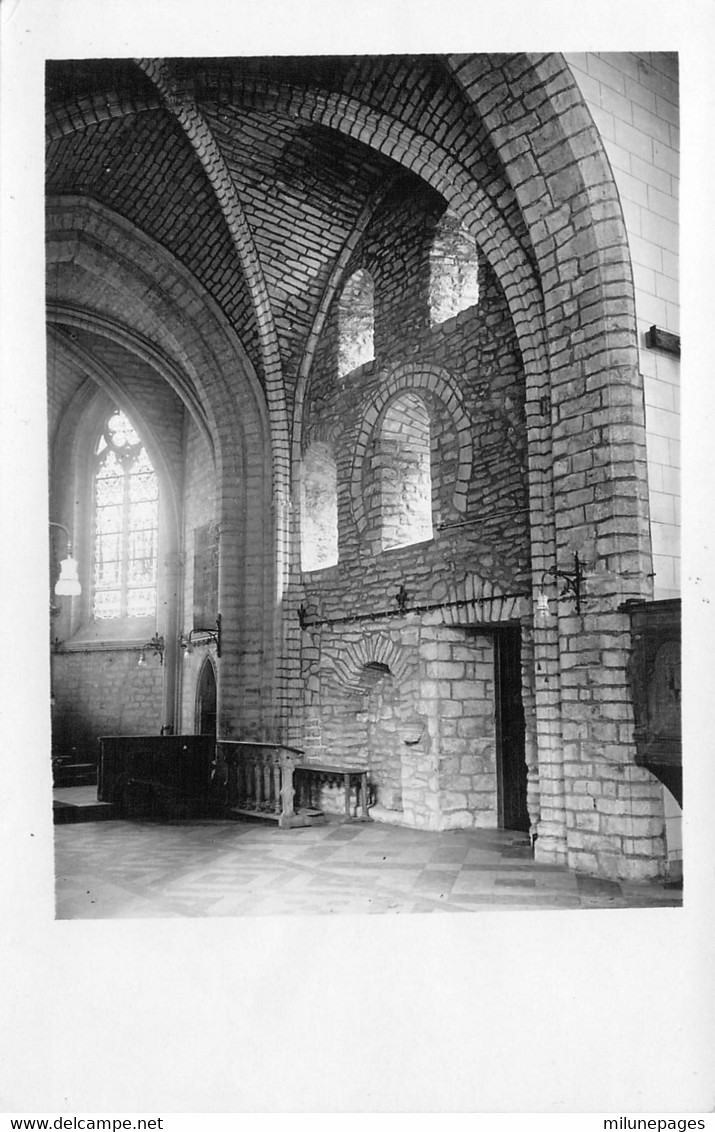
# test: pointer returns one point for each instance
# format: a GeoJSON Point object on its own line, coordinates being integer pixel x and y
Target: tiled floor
{"type": "Point", "coordinates": [141, 869]}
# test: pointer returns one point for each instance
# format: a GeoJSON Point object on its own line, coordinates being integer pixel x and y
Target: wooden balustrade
{"type": "Point", "coordinates": [170, 775]}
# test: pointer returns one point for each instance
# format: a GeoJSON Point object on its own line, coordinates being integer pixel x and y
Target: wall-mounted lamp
{"type": "Point", "coordinates": [572, 580]}
{"type": "Point", "coordinates": [186, 639]}
{"type": "Point", "coordinates": [156, 645]}
{"type": "Point", "coordinates": [67, 585]}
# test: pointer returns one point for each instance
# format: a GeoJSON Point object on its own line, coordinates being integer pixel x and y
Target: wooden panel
{"type": "Point", "coordinates": [655, 678]}
{"type": "Point", "coordinates": [510, 731]}
{"type": "Point", "coordinates": [173, 768]}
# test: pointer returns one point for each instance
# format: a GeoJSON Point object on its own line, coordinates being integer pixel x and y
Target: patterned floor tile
{"type": "Point", "coordinates": [515, 882]}
{"type": "Point", "coordinates": [141, 869]}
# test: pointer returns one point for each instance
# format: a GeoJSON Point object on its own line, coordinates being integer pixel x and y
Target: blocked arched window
{"type": "Point", "coordinates": [404, 465]}
{"type": "Point", "coordinates": [126, 523]}
{"type": "Point", "coordinates": [319, 508]}
{"type": "Point", "coordinates": [356, 319]}
{"type": "Point", "coordinates": [454, 270]}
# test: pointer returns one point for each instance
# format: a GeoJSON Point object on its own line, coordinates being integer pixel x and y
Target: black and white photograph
{"type": "Point", "coordinates": [363, 386]}
{"type": "Point", "coordinates": [359, 591]}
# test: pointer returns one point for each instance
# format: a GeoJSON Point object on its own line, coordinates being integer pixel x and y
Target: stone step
{"type": "Point", "coordinates": [74, 774]}
{"type": "Point", "coordinates": [64, 813]}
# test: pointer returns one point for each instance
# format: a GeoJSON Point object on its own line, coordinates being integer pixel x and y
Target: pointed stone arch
{"type": "Point", "coordinates": [148, 297]}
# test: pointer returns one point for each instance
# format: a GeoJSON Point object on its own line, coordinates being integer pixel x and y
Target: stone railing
{"type": "Point", "coordinates": [352, 780]}
{"type": "Point", "coordinates": [260, 782]}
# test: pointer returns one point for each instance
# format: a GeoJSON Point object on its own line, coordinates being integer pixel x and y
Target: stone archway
{"type": "Point", "coordinates": [157, 307]}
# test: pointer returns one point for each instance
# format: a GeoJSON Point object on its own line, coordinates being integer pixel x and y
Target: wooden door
{"type": "Point", "coordinates": [206, 701]}
{"type": "Point", "coordinates": [510, 730]}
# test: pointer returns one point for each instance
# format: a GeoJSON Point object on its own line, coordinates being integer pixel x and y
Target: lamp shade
{"type": "Point", "coordinates": [68, 582]}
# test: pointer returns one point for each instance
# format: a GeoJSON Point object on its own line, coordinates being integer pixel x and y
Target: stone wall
{"type": "Point", "coordinates": [412, 696]}
{"type": "Point", "coordinates": [199, 508]}
{"type": "Point", "coordinates": [414, 703]}
{"type": "Point", "coordinates": [319, 508]}
{"type": "Point", "coordinates": [457, 694]}
{"type": "Point", "coordinates": [98, 688]}
{"type": "Point", "coordinates": [303, 173]}
{"type": "Point", "coordinates": [634, 100]}
{"type": "Point", "coordinates": [116, 267]}
{"type": "Point", "coordinates": [103, 693]}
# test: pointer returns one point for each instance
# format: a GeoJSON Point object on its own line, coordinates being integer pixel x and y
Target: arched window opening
{"type": "Point", "coordinates": [319, 509]}
{"type": "Point", "coordinates": [405, 473]}
{"type": "Point", "coordinates": [454, 270]}
{"type": "Point", "coordinates": [356, 318]}
{"type": "Point", "coordinates": [126, 522]}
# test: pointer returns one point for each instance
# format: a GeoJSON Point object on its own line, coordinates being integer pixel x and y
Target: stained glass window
{"type": "Point", "coordinates": [126, 524]}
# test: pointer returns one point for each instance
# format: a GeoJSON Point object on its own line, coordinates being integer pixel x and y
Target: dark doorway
{"type": "Point", "coordinates": [510, 730]}
{"type": "Point", "coordinates": [206, 701]}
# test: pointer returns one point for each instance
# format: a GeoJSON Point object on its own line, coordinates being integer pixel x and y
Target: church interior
{"type": "Point", "coordinates": [363, 402]}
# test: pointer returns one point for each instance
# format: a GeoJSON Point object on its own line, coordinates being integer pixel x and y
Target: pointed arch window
{"type": "Point", "coordinates": [126, 524]}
